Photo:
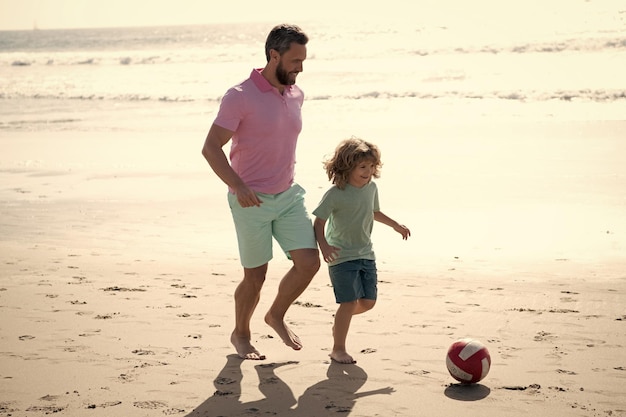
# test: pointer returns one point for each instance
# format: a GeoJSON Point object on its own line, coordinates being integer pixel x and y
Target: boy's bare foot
{"type": "Point", "coordinates": [244, 348]}
{"type": "Point", "coordinates": [341, 356]}
{"type": "Point", "coordinates": [284, 332]}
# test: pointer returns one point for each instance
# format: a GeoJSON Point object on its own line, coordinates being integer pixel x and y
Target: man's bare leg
{"type": "Point", "coordinates": [306, 263]}
{"type": "Point", "coordinates": [247, 297]}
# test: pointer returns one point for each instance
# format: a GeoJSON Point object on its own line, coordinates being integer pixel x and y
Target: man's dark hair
{"type": "Point", "coordinates": [281, 37]}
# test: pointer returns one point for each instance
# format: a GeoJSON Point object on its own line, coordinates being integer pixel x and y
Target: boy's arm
{"type": "Point", "coordinates": [329, 253]}
{"type": "Point", "coordinates": [379, 216]}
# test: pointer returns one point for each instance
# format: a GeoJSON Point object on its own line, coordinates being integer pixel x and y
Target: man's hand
{"type": "Point", "coordinates": [247, 197]}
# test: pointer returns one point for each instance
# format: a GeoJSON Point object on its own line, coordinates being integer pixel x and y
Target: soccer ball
{"type": "Point", "coordinates": [468, 361]}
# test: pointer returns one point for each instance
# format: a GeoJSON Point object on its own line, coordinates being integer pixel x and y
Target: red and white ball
{"type": "Point", "coordinates": [468, 361]}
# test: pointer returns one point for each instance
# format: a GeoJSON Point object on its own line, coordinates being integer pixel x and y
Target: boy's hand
{"type": "Point", "coordinates": [329, 252]}
{"type": "Point", "coordinates": [403, 230]}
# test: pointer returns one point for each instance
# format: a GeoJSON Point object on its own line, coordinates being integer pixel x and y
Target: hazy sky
{"type": "Point", "coordinates": [53, 14]}
{"type": "Point", "coordinates": [49, 14]}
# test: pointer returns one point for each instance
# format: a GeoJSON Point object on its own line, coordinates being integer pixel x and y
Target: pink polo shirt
{"type": "Point", "coordinates": [266, 126]}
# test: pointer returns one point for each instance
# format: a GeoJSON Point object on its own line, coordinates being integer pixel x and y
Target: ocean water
{"type": "Point", "coordinates": [502, 131]}
{"type": "Point", "coordinates": [511, 64]}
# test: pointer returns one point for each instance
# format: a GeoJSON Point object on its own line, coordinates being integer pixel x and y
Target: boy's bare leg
{"type": "Point", "coordinates": [343, 317]}
{"type": "Point", "coordinates": [247, 297]}
{"type": "Point", "coordinates": [306, 263]}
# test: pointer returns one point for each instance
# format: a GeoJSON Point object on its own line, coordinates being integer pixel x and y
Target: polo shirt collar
{"type": "Point", "coordinates": [261, 82]}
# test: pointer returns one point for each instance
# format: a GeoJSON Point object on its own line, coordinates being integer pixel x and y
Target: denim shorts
{"type": "Point", "coordinates": [281, 216]}
{"type": "Point", "coordinates": [354, 279]}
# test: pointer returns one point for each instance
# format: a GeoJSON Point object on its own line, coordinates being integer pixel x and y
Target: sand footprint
{"type": "Point", "coordinates": [543, 336]}
{"type": "Point", "coordinates": [563, 371]}
{"type": "Point", "coordinates": [104, 405]}
{"type": "Point", "coordinates": [48, 409]}
{"type": "Point", "coordinates": [150, 405]}
{"type": "Point", "coordinates": [418, 372]}
{"type": "Point", "coordinates": [6, 407]}
{"type": "Point", "coordinates": [142, 352]}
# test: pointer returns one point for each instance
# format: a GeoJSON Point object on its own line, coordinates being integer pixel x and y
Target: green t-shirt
{"type": "Point", "coordinates": [349, 215]}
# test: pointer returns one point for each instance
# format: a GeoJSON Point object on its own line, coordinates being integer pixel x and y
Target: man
{"type": "Point", "coordinates": [262, 116]}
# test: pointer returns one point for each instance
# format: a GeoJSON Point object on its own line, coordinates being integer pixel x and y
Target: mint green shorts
{"type": "Point", "coordinates": [281, 216]}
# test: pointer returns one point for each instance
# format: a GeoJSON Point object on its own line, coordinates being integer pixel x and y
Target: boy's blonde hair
{"type": "Point", "coordinates": [348, 154]}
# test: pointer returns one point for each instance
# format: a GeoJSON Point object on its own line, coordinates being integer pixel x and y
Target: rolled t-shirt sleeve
{"type": "Point", "coordinates": [231, 110]}
{"type": "Point", "coordinates": [324, 209]}
{"type": "Point", "coordinates": [376, 203]}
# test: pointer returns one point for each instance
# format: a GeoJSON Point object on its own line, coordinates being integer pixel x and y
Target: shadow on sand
{"type": "Point", "coordinates": [335, 394]}
{"type": "Point", "coordinates": [467, 392]}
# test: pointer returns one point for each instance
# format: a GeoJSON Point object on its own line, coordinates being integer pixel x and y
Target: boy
{"type": "Point", "coordinates": [350, 208]}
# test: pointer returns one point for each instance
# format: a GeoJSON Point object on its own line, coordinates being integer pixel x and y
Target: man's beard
{"type": "Point", "coordinates": [283, 76]}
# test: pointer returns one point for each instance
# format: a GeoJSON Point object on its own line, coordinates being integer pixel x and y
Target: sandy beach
{"type": "Point", "coordinates": [119, 263]}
